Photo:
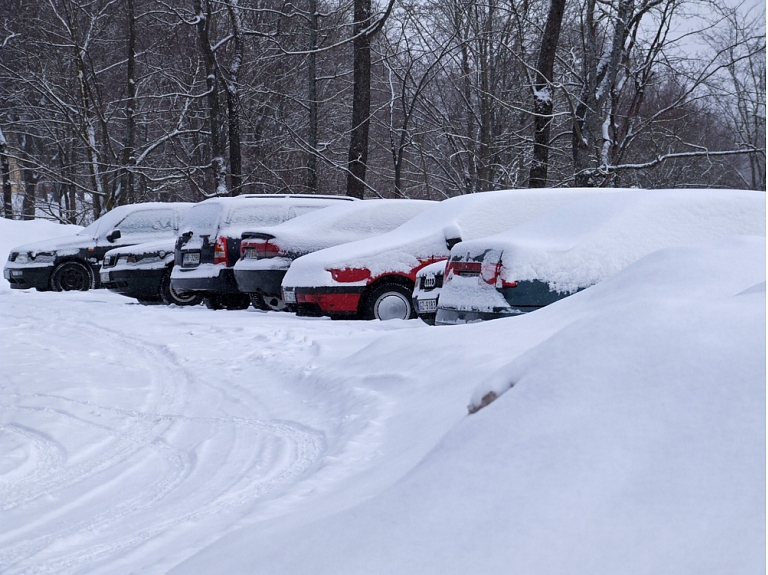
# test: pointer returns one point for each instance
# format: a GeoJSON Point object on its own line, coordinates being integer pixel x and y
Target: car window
{"type": "Point", "coordinates": [295, 211]}
{"type": "Point", "coordinates": [147, 222]}
{"type": "Point", "coordinates": [261, 215]}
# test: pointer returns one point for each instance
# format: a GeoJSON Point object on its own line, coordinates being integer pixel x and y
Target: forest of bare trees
{"type": "Point", "coordinates": [107, 102]}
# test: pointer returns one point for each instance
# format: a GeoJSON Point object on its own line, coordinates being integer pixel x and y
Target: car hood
{"type": "Point", "coordinates": [61, 245]}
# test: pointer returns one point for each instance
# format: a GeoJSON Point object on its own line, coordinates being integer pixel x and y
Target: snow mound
{"type": "Point", "coordinates": [633, 440]}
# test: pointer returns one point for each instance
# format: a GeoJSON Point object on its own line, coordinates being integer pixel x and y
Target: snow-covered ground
{"type": "Point", "coordinates": [628, 433]}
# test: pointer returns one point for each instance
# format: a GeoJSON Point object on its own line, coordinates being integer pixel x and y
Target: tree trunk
{"type": "Point", "coordinates": [233, 101]}
{"type": "Point", "coordinates": [542, 94]}
{"type": "Point", "coordinates": [127, 191]}
{"type": "Point", "coordinates": [361, 101]}
{"type": "Point", "coordinates": [599, 80]}
{"type": "Point", "coordinates": [5, 170]}
{"type": "Point", "coordinates": [312, 95]}
{"type": "Point", "coordinates": [214, 107]}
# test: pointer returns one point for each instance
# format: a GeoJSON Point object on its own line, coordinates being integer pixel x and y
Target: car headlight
{"type": "Point", "coordinates": [22, 258]}
{"type": "Point", "coordinates": [44, 258]}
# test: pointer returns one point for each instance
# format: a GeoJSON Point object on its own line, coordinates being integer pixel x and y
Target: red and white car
{"type": "Point", "coordinates": [374, 278]}
{"type": "Point", "coordinates": [579, 245]}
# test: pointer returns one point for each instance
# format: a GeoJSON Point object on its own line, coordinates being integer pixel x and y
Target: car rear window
{"type": "Point", "coordinates": [261, 215]}
{"type": "Point", "coordinates": [203, 219]}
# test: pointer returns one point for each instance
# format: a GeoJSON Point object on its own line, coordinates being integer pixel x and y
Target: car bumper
{"type": "Point", "coordinates": [134, 283]}
{"type": "Point", "coordinates": [37, 277]}
{"type": "Point", "coordinates": [266, 282]}
{"type": "Point", "coordinates": [454, 316]}
{"type": "Point", "coordinates": [332, 301]}
{"type": "Point", "coordinates": [224, 282]}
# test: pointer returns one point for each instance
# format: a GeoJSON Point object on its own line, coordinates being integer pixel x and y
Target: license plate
{"type": "Point", "coordinates": [250, 252]}
{"type": "Point", "coordinates": [427, 305]}
{"type": "Point", "coordinates": [104, 276]}
{"type": "Point", "coordinates": [289, 296]}
{"type": "Point", "coordinates": [190, 259]}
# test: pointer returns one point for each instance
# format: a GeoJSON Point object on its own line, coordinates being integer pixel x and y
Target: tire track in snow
{"type": "Point", "coordinates": [287, 451]}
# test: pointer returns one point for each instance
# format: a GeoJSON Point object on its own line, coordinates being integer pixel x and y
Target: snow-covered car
{"type": "Point", "coordinates": [579, 245]}
{"type": "Point", "coordinates": [426, 291]}
{"type": "Point", "coordinates": [73, 262]}
{"type": "Point", "coordinates": [143, 272]}
{"type": "Point", "coordinates": [266, 254]}
{"type": "Point", "coordinates": [208, 245]}
{"type": "Point", "coordinates": [374, 278]}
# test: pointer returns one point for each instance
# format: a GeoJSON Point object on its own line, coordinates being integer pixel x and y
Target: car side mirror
{"type": "Point", "coordinates": [114, 235]}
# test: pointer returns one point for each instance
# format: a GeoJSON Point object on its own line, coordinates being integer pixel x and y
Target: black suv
{"type": "Point", "coordinates": [72, 262]}
{"type": "Point", "coordinates": [209, 241]}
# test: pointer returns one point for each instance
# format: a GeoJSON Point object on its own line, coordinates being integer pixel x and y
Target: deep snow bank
{"type": "Point", "coordinates": [15, 233]}
{"type": "Point", "coordinates": [633, 440]}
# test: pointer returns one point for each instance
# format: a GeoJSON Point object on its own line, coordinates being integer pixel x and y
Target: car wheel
{"type": "Point", "coordinates": [275, 303]}
{"type": "Point", "coordinates": [213, 301]}
{"type": "Point", "coordinates": [71, 276]}
{"type": "Point", "coordinates": [171, 296]}
{"type": "Point", "coordinates": [257, 301]}
{"type": "Point", "coordinates": [388, 301]}
{"type": "Point", "coordinates": [149, 300]}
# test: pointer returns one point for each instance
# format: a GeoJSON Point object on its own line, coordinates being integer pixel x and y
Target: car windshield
{"type": "Point", "coordinates": [104, 224]}
{"type": "Point", "coordinates": [147, 222]}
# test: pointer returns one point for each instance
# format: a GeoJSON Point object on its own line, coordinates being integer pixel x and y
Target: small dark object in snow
{"type": "Point", "coordinates": [487, 398]}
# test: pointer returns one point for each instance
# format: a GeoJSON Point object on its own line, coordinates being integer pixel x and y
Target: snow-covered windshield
{"type": "Point", "coordinates": [147, 222]}
{"type": "Point", "coordinates": [105, 223]}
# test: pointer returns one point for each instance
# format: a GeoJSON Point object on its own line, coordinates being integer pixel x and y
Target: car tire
{"type": "Point", "coordinates": [170, 296]}
{"type": "Point", "coordinates": [71, 276]}
{"type": "Point", "coordinates": [257, 301]}
{"type": "Point", "coordinates": [213, 301]}
{"type": "Point", "coordinates": [388, 301]}
{"type": "Point", "coordinates": [149, 300]}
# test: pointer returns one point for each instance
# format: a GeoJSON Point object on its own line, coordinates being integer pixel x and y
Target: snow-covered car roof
{"type": "Point", "coordinates": [424, 236]}
{"type": "Point", "coordinates": [240, 213]}
{"type": "Point", "coordinates": [585, 242]}
{"type": "Point", "coordinates": [343, 223]}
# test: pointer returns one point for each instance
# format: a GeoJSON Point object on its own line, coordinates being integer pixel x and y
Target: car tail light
{"type": "Point", "coordinates": [500, 282]}
{"type": "Point", "coordinates": [220, 251]}
{"type": "Point", "coordinates": [344, 275]}
{"type": "Point", "coordinates": [258, 249]}
{"type": "Point", "coordinates": [489, 272]}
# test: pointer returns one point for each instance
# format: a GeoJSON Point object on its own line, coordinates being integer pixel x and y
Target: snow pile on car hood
{"type": "Point", "coordinates": [36, 231]}
{"type": "Point", "coordinates": [585, 242]}
{"type": "Point", "coordinates": [423, 238]}
{"type": "Point", "coordinates": [633, 440]}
